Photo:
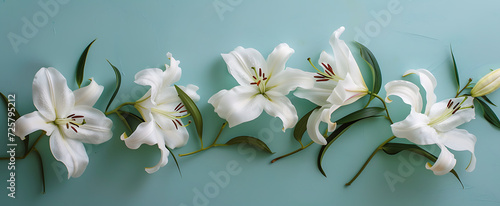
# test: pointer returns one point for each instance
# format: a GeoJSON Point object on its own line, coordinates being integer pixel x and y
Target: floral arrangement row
{"type": "Point", "coordinates": [70, 120]}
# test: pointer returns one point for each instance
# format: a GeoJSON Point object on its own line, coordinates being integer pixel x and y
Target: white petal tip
{"type": "Point", "coordinates": [123, 136]}
{"type": "Point", "coordinates": [150, 170]}
{"type": "Point", "coordinates": [321, 142]}
{"type": "Point", "coordinates": [388, 100]}
{"type": "Point", "coordinates": [332, 126]}
{"type": "Point", "coordinates": [338, 32]}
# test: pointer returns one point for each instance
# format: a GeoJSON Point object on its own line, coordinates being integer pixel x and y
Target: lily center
{"type": "Point", "coordinates": [72, 121]}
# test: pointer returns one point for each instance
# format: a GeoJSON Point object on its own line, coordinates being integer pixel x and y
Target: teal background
{"type": "Point", "coordinates": [135, 35]}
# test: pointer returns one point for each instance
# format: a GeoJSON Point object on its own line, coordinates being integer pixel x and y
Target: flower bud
{"type": "Point", "coordinates": [487, 84]}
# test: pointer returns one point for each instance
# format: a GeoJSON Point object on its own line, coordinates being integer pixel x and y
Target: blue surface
{"type": "Point", "coordinates": [133, 35]}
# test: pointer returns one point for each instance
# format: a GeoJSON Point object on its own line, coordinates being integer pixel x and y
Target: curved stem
{"type": "Point", "coordinates": [119, 107]}
{"type": "Point", "coordinates": [30, 150]}
{"type": "Point", "coordinates": [210, 146]}
{"type": "Point", "coordinates": [369, 159]}
{"type": "Point", "coordinates": [465, 87]}
{"type": "Point", "coordinates": [203, 149]}
{"type": "Point", "coordinates": [124, 121]}
{"type": "Point", "coordinates": [182, 155]}
{"type": "Point", "coordinates": [220, 131]}
{"type": "Point", "coordinates": [385, 106]}
{"type": "Point", "coordinates": [372, 96]}
{"type": "Point", "coordinates": [291, 153]}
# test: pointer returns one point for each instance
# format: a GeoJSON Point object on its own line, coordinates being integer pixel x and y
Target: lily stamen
{"type": "Point", "coordinates": [189, 122]}
{"type": "Point", "coordinates": [450, 110]}
{"type": "Point", "coordinates": [71, 121]}
{"type": "Point", "coordinates": [179, 106]}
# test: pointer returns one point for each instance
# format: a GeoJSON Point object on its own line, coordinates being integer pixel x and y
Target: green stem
{"type": "Point", "coordinates": [465, 87]}
{"type": "Point", "coordinates": [291, 153]}
{"type": "Point", "coordinates": [218, 134]}
{"type": "Point", "coordinates": [372, 96]}
{"type": "Point", "coordinates": [210, 146]}
{"type": "Point", "coordinates": [203, 149]}
{"type": "Point", "coordinates": [119, 107]}
{"type": "Point", "coordinates": [29, 151]}
{"type": "Point", "coordinates": [124, 121]}
{"type": "Point", "coordinates": [385, 106]}
{"type": "Point", "coordinates": [369, 159]}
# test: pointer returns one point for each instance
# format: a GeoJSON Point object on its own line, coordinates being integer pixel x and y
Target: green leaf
{"type": "Point", "coordinates": [192, 109]}
{"type": "Point", "coordinates": [361, 114]}
{"type": "Point", "coordinates": [130, 116]}
{"type": "Point", "coordinates": [81, 65]}
{"type": "Point", "coordinates": [488, 100]}
{"type": "Point", "coordinates": [175, 160]}
{"type": "Point", "coordinates": [252, 141]}
{"type": "Point", "coordinates": [301, 126]}
{"type": "Point", "coordinates": [127, 118]}
{"type": "Point", "coordinates": [42, 172]}
{"type": "Point", "coordinates": [118, 77]}
{"type": "Point", "coordinates": [335, 134]}
{"type": "Point", "coordinates": [125, 121]}
{"type": "Point", "coordinates": [455, 69]}
{"type": "Point", "coordinates": [395, 148]}
{"type": "Point", "coordinates": [489, 115]}
{"type": "Point", "coordinates": [370, 59]}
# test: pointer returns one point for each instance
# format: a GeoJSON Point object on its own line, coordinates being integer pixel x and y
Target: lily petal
{"type": "Point", "coordinates": [407, 91]}
{"type": "Point", "coordinates": [70, 152]}
{"type": "Point", "coordinates": [175, 138]}
{"type": "Point", "coordinates": [174, 132]}
{"type": "Point", "coordinates": [144, 108]}
{"type": "Point", "coordinates": [150, 77]}
{"type": "Point", "coordinates": [326, 116]}
{"type": "Point", "coordinates": [327, 59]}
{"type": "Point", "coordinates": [461, 140]}
{"type": "Point", "coordinates": [164, 153]}
{"type": "Point", "coordinates": [51, 95]}
{"type": "Point", "coordinates": [169, 94]}
{"type": "Point", "coordinates": [445, 162]}
{"type": "Point", "coordinates": [288, 80]}
{"type": "Point", "coordinates": [240, 62]}
{"type": "Point", "coordinates": [428, 81]}
{"type": "Point", "coordinates": [347, 92]}
{"type": "Point", "coordinates": [89, 94]}
{"type": "Point", "coordinates": [238, 105]}
{"type": "Point", "coordinates": [277, 59]}
{"type": "Point", "coordinates": [313, 127]}
{"type": "Point", "coordinates": [96, 130]}
{"type": "Point", "coordinates": [145, 133]}
{"type": "Point", "coordinates": [31, 122]}
{"type": "Point", "coordinates": [415, 128]}
{"type": "Point", "coordinates": [344, 58]}
{"type": "Point", "coordinates": [280, 106]}
{"type": "Point", "coordinates": [460, 117]}
{"type": "Point", "coordinates": [318, 94]}
{"type": "Point", "coordinates": [172, 72]}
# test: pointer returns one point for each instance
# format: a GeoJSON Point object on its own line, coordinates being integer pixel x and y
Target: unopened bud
{"type": "Point", "coordinates": [487, 84]}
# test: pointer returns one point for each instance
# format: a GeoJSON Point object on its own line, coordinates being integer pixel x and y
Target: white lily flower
{"type": "Point", "coordinates": [67, 117]}
{"type": "Point", "coordinates": [263, 86]}
{"type": "Point", "coordinates": [162, 110]}
{"type": "Point", "coordinates": [437, 125]}
{"type": "Point", "coordinates": [340, 84]}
